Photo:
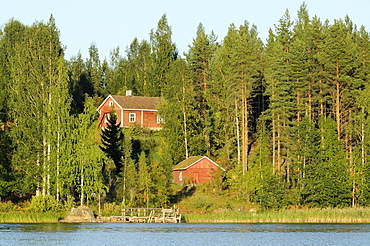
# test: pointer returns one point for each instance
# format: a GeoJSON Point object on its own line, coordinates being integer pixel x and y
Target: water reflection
{"type": "Point", "coordinates": [184, 234]}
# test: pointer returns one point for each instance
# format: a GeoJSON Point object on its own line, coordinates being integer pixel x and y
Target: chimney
{"type": "Point", "coordinates": [128, 93]}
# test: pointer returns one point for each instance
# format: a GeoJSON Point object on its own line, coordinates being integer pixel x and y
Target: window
{"type": "Point", "coordinates": [180, 176]}
{"type": "Point", "coordinates": [106, 117]}
{"type": "Point", "coordinates": [132, 117]}
{"type": "Point", "coordinates": [110, 103]}
{"type": "Point", "coordinates": [159, 119]}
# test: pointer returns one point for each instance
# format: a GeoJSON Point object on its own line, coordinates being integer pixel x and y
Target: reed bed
{"type": "Point", "coordinates": [30, 217]}
{"type": "Point", "coordinates": [328, 215]}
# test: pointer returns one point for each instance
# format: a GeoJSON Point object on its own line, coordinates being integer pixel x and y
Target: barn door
{"type": "Point", "coordinates": [196, 177]}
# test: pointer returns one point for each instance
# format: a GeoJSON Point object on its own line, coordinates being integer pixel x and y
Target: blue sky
{"type": "Point", "coordinates": [114, 23]}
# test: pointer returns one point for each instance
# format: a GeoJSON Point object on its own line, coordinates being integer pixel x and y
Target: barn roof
{"type": "Point", "coordinates": [185, 164]}
{"type": "Point", "coordinates": [134, 102]}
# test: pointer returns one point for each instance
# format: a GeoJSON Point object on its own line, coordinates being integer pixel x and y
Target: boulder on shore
{"type": "Point", "coordinates": [80, 214]}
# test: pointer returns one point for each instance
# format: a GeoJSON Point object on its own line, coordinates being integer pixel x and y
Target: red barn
{"type": "Point", "coordinates": [131, 110]}
{"type": "Point", "coordinates": [195, 170]}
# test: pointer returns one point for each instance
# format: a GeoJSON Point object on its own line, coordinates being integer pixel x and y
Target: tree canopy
{"type": "Point", "coordinates": [288, 119]}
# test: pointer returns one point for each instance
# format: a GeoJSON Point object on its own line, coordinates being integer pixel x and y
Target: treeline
{"type": "Point", "coordinates": [288, 119]}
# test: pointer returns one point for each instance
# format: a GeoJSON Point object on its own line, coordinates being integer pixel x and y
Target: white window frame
{"type": "Point", "coordinates": [111, 104]}
{"type": "Point", "coordinates": [180, 176]}
{"type": "Point", "coordinates": [106, 117]}
{"type": "Point", "coordinates": [159, 119]}
{"type": "Point", "coordinates": [132, 117]}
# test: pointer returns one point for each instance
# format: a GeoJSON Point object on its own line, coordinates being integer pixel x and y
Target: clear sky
{"type": "Point", "coordinates": [115, 23]}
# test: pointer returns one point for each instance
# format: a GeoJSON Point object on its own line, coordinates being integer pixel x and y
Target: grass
{"type": "Point", "coordinates": [30, 217]}
{"type": "Point", "coordinates": [328, 215]}
{"type": "Point", "coordinates": [207, 208]}
{"type": "Point", "coordinates": [200, 207]}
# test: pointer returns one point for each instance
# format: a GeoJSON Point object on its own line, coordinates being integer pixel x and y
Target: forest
{"type": "Point", "coordinates": [287, 118]}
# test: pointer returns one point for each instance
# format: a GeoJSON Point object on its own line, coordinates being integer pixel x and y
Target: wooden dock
{"type": "Point", "coordinates": [145, 215]}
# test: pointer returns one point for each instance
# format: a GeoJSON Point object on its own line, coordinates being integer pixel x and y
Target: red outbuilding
{"type": "Point", "coordinates": [131, 110]}
{"type": "Point", "coordinates": [195, 170]}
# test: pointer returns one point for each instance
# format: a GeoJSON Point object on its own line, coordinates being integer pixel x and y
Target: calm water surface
{"type": "Point", "coordinates": [184, 234]}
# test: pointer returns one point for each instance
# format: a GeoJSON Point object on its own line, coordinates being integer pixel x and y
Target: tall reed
{"type": "Point", "coordinates": [328, 215]}
{"type": "Point", "coordinates": [30, 217]}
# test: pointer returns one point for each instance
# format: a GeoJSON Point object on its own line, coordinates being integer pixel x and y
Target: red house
{"type": "Point", "coordinates": [131, 110]}
{"type": "Point", "coordinates": [195, 170]}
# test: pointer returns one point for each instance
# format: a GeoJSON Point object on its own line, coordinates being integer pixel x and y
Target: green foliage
{"type": "Point", "coordinates": [44, 203]}
{"type": "Point", "coordinates": [288, 119]}
{"type": "Point", "coordinates": [272, 194]}
{"type": "Point", "coordinates": [111, 209]}
{"type": "Point", "coordinates": [327, 183]}
{"type": "Point", "coordinates": [31, 217]}
{"type": "Point", "coordinates": [7, 206]}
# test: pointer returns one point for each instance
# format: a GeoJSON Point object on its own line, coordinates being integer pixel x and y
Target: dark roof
{"type": "Point", "coordinates": [187, 162]}
{"type": "Point", "coordinates": [133, 102]}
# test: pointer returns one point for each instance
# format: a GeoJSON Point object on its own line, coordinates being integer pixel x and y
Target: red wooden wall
{"type": "Point", "coordinates": [201, 172]}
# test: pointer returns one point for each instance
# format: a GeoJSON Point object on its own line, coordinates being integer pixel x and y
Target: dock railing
{"type": "Point", "coordinates": [150, 215]}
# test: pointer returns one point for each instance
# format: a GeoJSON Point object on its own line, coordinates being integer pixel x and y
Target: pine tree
{"type": "Point", "coordinates": [280, 91]}
{"type": "Point", "coordinates": [339, 58]}
{"type": "Point", "coordinates": [242, 50]}
{"type": "Point", "coordinates": [360, 126]}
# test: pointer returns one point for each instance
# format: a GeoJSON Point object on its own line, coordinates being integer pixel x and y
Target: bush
{"type": "Point", "coordinates": [111, 209]}
{"type": "Point", "coordinates": [7, 206]}
{"type": "Point", "coordinates": [69, 203]}
{"type": "Point", "coordinates": [44, 203]}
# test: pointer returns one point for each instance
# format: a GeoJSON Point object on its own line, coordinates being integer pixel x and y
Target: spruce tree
{"type": "Point", "coordinates": [112, 140]}
{"type": "Point", "coordinates": [327, 182]}
{"type": "Point", "coordinates": [199, 56]}
{"type": "Point", "coordinates": [164, 52]}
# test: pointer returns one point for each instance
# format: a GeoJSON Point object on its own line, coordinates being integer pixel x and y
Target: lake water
{"type": "Point", "coordinates": [184, 234]}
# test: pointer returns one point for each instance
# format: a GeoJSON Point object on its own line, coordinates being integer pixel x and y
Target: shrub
{"type": "Point", "coordinates": [7, 206]}
{"type": "Point", "coordinates": [111, 209]}
{"type": "Point", "coordinates": [44, 203]}
{"type": "Point", "coordinates": [69, 203]}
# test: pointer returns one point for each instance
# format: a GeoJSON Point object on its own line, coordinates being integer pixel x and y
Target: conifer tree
{"type": "Point", "coordinates": [200, 54]}
{"type": "Point", "coordinates": [95, 72]}
{"type": "Point", "coordinates": [242, 49]}
{"type": "Point", "coordinates": [164, 52]}
{"type": "Point", "coordinates": [327, 179]}
{"type": "Point", "coordinates": [79, 84]}
{"type": "Point", "coordinates": [279, 89]}
{"type": "Point", "coordinates": [339, 58]}
{"type": "Point", "coordinates": [112, 141]}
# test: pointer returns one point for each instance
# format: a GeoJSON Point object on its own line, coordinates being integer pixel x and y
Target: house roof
{"type": "Point", "coordinates": [185, 164]}
{"type": "Point", "coordinates": [134, 102]}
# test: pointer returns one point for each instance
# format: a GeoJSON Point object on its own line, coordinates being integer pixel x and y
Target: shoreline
{"type": "Point", "coordinates": [360, 215]}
